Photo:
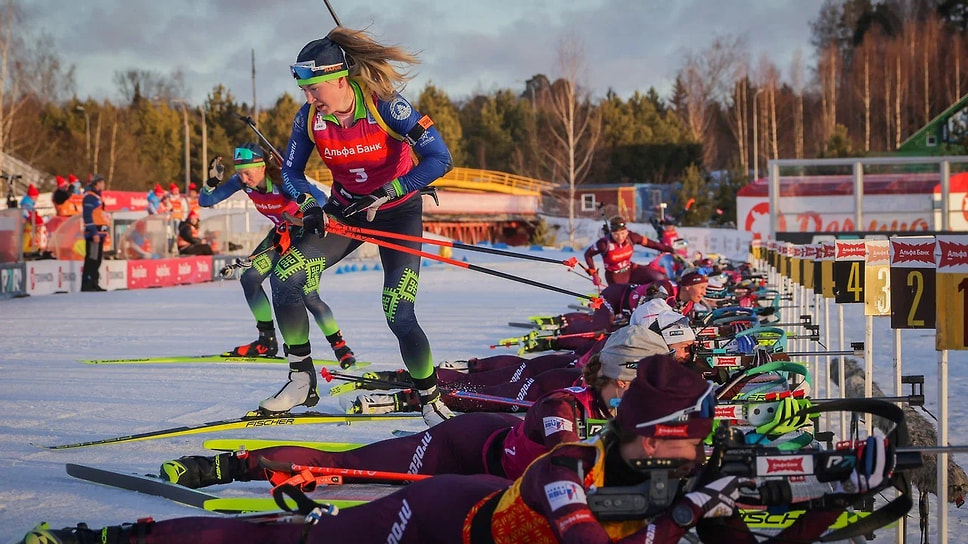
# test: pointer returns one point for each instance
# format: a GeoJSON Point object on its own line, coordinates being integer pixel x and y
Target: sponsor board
{"type": "Point", "coordinates": [12, 279]}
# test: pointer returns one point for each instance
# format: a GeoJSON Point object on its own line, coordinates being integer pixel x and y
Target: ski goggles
{"type": "Point", "coordinates": [614, 227]}
{"type": "Point", "coordinates": [307, 73]}
{"type": "Point", "coordinates": [705, 407]}
{"type": "Point", "coordinates": [245, 158]}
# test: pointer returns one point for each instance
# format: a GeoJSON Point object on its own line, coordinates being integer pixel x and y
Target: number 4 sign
{"type": "Point", "coordinates": [952, 292]}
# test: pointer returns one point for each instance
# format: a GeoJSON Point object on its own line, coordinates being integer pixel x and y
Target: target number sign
{"type": "Point", "coordinates": [952, 261]}
{"type": "Point", "coordinates": [877, 286]}
{"type": "Point", "coordinates": [825, 282]}
{"type": "Point", "coordinates": [849, 271]}
{"type": "Point", "coordinates": [913, 287]}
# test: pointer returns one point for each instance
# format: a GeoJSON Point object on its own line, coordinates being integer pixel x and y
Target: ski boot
{"type": "Point", "coordinates": [431, 406]}
{"type": "Point", "coordinates": [197, 471]}
{"type": "Point", "coordinates": [300, 390]}
{"type": "Point", "coordinates": [265, 346]}
{"type": "Point", "coordinates": [81, 534]}
{"type": "Point", "coordinates": [435, 412]}
{"type": "Point", "coordinates": [548, 322]}
{"type": "Point", "coordinates": [343, 352]}
{"type": "Point", "coordinates": [386, 379]}
{"type": "Point", "coordinates": [539, 343]}
{"type": "Point", "coordinates": [385, 403]}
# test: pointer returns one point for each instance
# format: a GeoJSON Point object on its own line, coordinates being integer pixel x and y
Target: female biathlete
{"type": "Point", "coordinates": [252, 176]}
{"type": "Point", "coordinates": [366, 134]}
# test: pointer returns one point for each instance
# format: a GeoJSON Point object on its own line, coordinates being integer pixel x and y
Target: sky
{"type": "Point", "coordinates": [48, 397]}
{"type": "Point", "coordinates": [465, 46]}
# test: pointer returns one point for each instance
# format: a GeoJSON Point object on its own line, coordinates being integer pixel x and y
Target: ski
{"type": "Point", "coordinates": [155, 486]}
{"type": "Point", "coordinates": [215, 358]}
{"type": "Point", "coordinates": [400, 433]}
{"type": "Point", "coordinates": [522, 325]}
{"type": "Point", "coordinates": [242, 505]}
{"type": "Point", "coordinates": [149, 485]}
{"type": "Point", "coordinates": [533, 326]}
{"type": "Point", "coordinates": [237, 444]}
{"type": "Point", "coordinates": [341, 496]}
{"type": "Point", "coordinates": [250, 420]}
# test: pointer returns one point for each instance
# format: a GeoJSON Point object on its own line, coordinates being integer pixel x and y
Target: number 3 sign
{"type": "Point", "coordinates": [952, 292]}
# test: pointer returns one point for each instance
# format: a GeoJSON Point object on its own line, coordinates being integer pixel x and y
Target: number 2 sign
{"type": "Point", "coordinates": [913, 282]}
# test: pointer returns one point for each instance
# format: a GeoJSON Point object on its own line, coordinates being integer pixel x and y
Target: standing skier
{"type": "Point", "coordinates": [254, 176]}
{"type": "Point", "coordinates": [616, 250]}
{"type": "Point", "coordinates": [367, 135]}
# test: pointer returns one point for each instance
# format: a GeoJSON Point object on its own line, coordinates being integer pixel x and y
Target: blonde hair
{"type": "Point", "coordinates": [369, 62]}
{"type": "Point", "coordinates": [591, 376]}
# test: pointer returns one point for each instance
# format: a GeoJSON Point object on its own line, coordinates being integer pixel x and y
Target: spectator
{"type": "Point", "coordinates": [157, 201]}
{"type": "Point", "coordinates": [67, 201]}
{"type": "Point", "coordinates": [29, 203]}
{"type": "Point", "coordinates": [193, 198]}
{"type": "Point", "coordinates": [95, 232]}
{"type": "Point", "coordinates": [61, 195]}
{"type": "Point", "coordinates": [177, 204]}
{"type": "Point", "coordinates": [138, 243]}
{"type": "Point", "coordinates": [188, 241]}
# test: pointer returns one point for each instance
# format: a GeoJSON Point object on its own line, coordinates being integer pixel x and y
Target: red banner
{"type": "Point", "coordinates": [133, 201]}
{"type": "Point", "coordinates": [920, 253]}
{"type": "Point", "coordinates": [167, 272]}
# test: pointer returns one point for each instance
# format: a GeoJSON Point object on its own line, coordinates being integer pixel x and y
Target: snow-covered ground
{"type": "Point", "coordinates": [48, 397]}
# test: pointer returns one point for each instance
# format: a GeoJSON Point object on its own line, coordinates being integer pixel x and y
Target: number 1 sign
{"type": "Point", "coordinates": [952, 262]}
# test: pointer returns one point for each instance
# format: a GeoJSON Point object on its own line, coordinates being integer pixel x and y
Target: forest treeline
{"type": "Point", "coordinates": [881, 70]}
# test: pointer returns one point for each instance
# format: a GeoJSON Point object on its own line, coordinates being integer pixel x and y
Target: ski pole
{"type": "Point", "coordinates": [281, 466]}
{"type": "Point", "coordinates": [333, 13]}
{"type": "Point", "coordinates": [491, 398]}
{"type": "Point", "coordinates": [226, 270]}
{"type": "Point", "coordinates": [248, 120]}
{"type": "Point", "coordinates": [384, 384]}
{"type": "Point", "coordinates": [341, 229]}
{"type": "Point", "coordinates": [596, 301]}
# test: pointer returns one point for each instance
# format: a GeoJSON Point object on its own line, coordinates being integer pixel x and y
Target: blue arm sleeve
{"type": "Point", "coordinates": [89, 204]}
{"type": "Point", "coordinates": [224, 190]}
{"type": "Point", "coordinates": [319, 194]}
{"type": "Point", "coordinates": [435, 159]}
{"type": "Point", "coordinates": [297, 154]}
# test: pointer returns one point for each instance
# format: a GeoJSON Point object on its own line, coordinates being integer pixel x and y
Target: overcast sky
{"type": "Point", "coordinates": [464, 45]}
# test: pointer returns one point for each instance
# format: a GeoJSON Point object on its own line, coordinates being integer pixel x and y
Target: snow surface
{"type": "Point", "coordinates": [48, 397]}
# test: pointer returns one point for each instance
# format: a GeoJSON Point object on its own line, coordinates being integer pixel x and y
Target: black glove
{"type": "Point", "coordinates": [314, 220]}
{"type": "Point", "coordinates": [372, 202]}
{"type": "Point", "coordinates": [216, 169]}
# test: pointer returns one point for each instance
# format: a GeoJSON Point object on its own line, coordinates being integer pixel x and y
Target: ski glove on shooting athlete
{"type": "Point", "coordinates": [372, 202]}
{"type": "Point", "coordinates": [717, 499]}
{"type": "Point", "coordinates": [314, 220]}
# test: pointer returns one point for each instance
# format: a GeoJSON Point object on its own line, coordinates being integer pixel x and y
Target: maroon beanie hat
{"type": "Point", "coordinates": [662, 388]}
{"type": "Point", "coordinates": [692, 276]}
